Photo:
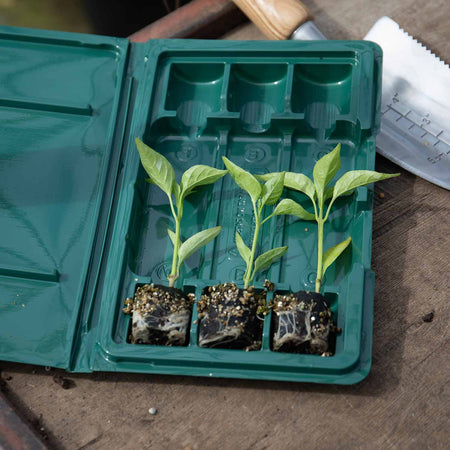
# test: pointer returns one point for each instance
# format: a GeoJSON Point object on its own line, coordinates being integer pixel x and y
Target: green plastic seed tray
{"type": "Point", "coordinates": [80, 228]}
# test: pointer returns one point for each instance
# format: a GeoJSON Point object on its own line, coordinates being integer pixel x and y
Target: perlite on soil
{"type": "Point", "coordinates": [160, 315]}
{"type": "Point", "coordinates": [230, 317]}
{"type": "Point", "coordinates": [302, 322]}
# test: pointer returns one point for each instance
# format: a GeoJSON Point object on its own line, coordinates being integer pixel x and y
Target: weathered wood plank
{"type": "Point", "coordinates": [404, 403]}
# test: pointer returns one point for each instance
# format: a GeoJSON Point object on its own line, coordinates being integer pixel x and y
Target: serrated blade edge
{"type": "Point", "coordinates": [415, 106]}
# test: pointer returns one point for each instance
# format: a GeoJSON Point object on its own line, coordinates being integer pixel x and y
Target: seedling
{"type": "Point", "coordinates": [161, 173]}
{"type": "Point", "coordinates": [229, 315]}
{"type": "Point", "coordinates": [320, 193]}
{"type": "Point", "coordinates": [260, 195]}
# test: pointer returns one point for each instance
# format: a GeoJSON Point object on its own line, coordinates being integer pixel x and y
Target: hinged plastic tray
{"type": "Point", "coordinates": [80, 227]}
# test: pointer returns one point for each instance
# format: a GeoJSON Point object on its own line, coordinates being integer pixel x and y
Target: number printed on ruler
{"type": "Point", "coordinates": [418, 126]}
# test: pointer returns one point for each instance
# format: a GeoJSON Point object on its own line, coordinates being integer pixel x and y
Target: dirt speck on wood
{"type": "Point", "coordinates": [428, 317]}
{"type": "Point", "coordinates": [65, 383]}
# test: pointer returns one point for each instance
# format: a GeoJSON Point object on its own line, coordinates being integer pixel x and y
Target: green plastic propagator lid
{"type": "Point", "coordinates": [59, 97]}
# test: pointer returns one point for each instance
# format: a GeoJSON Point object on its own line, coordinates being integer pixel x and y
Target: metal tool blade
{"type": "Point", "coordinates": [307, 32]}
{"type": "Point", "coordinates": [415, 108]}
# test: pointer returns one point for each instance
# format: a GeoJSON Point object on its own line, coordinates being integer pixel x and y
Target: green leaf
{"type": "Point", "coordinates": [157, 167]}
{"type": "Point", "coordinates": [272, 189]}
{"type": "Point", "coordinates": [245, 180]}
{"type": "Point", "coordinates": [266, 259]}
{"type": "Point", "coordinates": [266, 176]}
{"type": "Point", "coordinates": [328, 193]}
{"type": "Point", "coordinates": [194, 243]}
{"type": "Point", "coordinates": [199, 176]}
{"type": "Point", "coordinates": [332, 253]}
{"type": "Point", "coordinates": [289, 207]}
{"type": "Point", "coordinates": [356, 178]}
{"type": "Point", "coordinates": [172, 236]}
{"type": "Point", "coordinates": [324, 171]}
{"type": "Point", "coordinates": [301, 183]}
{"type": "Point", "coordinates": [292, 180]}
{"type": "Point", "coordinates": [244, 251]}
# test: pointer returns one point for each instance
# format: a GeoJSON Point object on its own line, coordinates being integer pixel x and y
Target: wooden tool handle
{"type": "Point", "coordinates": [277, 19]}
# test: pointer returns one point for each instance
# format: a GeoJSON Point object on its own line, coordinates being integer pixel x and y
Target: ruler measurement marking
{"type": "Point", "coordinates": [413, 118]}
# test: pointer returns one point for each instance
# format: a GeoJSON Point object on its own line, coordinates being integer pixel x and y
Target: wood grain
{"type": "Point", "coordinates": [403, 404]}
{"type": "Point", "coordinates": [277, 19]}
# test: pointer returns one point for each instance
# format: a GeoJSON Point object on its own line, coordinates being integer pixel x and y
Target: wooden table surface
{"type": "Point", "coordinates": [405, 401]}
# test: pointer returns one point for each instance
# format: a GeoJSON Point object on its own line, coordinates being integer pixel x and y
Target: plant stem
{"type": "Point", "coordinates": [249, 274]}
{"type": "Point", "coordinates": [320, 222]}
{"type": "Point", "coordinates": [328, 210]}
{"type": "Point", "coordinates": [175, 269]}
